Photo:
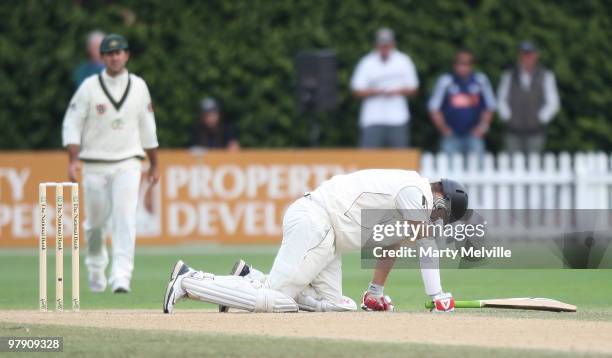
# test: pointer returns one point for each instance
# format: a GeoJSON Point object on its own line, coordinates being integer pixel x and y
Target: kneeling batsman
{"type": "Point", "coordinates": [317, 229]}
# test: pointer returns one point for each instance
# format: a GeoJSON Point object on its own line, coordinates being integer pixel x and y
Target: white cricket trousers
{"type": "Point", "coordinates": [307, 255]}
{"type": "Point", "coordinates": [111, 193]}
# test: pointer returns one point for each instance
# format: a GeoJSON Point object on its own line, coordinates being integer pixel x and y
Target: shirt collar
{"type": "Point", "coordinates": [462, 80]}
{"type": "Point", "coordinates": [392, 54]}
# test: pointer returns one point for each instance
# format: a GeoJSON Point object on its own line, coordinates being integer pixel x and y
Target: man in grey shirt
{"type": "Point", "coordinates": [527, 101]}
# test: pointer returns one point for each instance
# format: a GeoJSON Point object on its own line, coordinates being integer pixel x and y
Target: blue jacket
{"type": "Point", "coordinates": [85, 70]}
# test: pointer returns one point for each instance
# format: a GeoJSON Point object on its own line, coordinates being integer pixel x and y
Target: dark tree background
{"type": "Point", "coordinates": [242, 53]}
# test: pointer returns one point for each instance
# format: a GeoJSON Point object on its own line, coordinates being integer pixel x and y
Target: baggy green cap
{"type": "Point", "coordinates": [113, 42]}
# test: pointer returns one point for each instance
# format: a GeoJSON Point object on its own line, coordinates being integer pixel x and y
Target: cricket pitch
{"type": "Point", "coordinates": [558, 334]}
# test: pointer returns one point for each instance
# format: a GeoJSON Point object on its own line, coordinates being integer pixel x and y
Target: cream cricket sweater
{"type": "Point", "coordinates": [111, 118]}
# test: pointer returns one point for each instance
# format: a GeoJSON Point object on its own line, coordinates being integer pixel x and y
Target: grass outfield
{"type": "Point", "coordinates": [590, 290]}
{"type": "Point", "coordinates": [130, 343]}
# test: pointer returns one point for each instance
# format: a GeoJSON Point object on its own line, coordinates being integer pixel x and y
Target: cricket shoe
{"type": "Point", "coordinates": [241, 268]}
{"type": "Point", "coordinates": [97, 281]}
{"type": "Point", "coordinates": [443, 303]}
{"type": "Point", "coordinates": [174, 291]}
{"type": "Point", "coordinates": [121, 286]}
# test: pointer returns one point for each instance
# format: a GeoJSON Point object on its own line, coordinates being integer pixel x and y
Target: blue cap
{"type": "Point", "coordinates": [209, 105]}
{"type": "Point", "coordinates": [527, 46]}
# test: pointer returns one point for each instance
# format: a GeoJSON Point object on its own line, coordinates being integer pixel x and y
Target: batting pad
{"type": "Point", "coordinates": [237, 292]}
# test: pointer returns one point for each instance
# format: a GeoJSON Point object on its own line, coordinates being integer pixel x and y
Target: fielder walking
{"type": "Point", "coordinates": [109, 125]}
{"type": "Point", "coordinates": [317, 229]}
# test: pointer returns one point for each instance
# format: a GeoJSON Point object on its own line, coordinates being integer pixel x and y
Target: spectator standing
{"type": "Point", "coordinates": [461, 107]}
{"type": "Point", "coordinates": [94, 65]}
{"type": "Point", "coordinates": [528, 100]}
{"type": "Point", "coordinates": [210, 131]}
{"type": "Point", "coordinates": [383, 79]}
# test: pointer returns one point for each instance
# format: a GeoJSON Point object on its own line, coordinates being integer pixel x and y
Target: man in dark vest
{"type": "Point", "coordinates": [527, 101]}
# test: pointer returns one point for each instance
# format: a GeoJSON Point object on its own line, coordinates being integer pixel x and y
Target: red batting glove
{"type": "Point", "coordinates": [370, 302]}
{"type": "Point", "coordinates": [443, 302]}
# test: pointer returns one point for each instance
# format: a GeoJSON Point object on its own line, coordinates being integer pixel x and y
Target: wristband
{"type": "Point", "coordinates": [375, 289]}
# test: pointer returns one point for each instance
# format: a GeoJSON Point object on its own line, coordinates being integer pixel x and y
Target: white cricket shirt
{"type": "Point", "coordinates": [345, 196]}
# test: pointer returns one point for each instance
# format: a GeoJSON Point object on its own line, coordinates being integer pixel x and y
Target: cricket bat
{"type": "Point", "coordinates": [524, 303]}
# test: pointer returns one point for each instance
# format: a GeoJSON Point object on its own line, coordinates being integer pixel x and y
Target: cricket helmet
{"type": "Point", "coordinates": [457, 198]}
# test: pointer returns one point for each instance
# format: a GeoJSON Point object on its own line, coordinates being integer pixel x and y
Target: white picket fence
{"type": "Point", "coordinates": [516, 181]}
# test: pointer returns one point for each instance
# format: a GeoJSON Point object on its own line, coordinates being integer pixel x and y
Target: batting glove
{"type": "Point", "coordinates": [371, 302]}
{"type": "Point", "coordinates": [443, 302]}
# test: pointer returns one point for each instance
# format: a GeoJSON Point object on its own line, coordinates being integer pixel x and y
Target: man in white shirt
{"type": "Point", "coordinates": [109, 125]}
{"type": "Point", "coordinates": [528, 100]}
{"type": "Point", "coordinates": [383, 79]}
{"type": "Point", "coordinates": [317, 229]}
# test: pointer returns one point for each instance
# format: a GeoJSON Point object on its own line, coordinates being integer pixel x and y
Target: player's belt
{"type": "Point", "coordinates": [110, 161]}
